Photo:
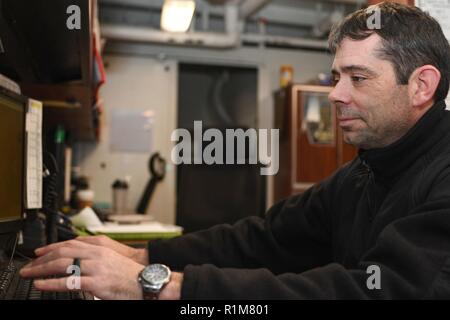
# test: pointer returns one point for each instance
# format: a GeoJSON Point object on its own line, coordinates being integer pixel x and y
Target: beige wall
{"type": "Point", "coordinates": [135, 83]}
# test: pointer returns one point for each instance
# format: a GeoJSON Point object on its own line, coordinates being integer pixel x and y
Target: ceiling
{"type": "Point", "coordinates": [286, 19]}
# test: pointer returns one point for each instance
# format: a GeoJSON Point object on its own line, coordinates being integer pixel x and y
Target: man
{"type": "Point", "coordinates": [387, 211]}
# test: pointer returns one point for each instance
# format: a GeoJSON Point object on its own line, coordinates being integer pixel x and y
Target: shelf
{"type": "Point", "coordinates": [76, 116]}
{"type": "Point", "coordinates": [50, 62]}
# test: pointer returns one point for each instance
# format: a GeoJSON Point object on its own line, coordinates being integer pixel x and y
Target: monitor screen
{"type": "Point", "coordinates": [12, 137]}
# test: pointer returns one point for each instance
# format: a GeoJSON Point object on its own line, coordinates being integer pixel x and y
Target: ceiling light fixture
{"type": "Point", "coordinates": [177, 15]}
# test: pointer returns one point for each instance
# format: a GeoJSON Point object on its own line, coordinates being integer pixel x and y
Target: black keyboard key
{"type": "Point", "coordinates": [13, 286]}
{"type": "Point", "coordinates": [34, 294]}
{"type": "Point", "coordinates": [23, 289]}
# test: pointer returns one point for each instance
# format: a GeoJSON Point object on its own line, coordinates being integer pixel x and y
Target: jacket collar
{"type": "Point", "coordinates": [389, 162]}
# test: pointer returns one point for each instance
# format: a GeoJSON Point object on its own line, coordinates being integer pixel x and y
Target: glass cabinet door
{"type": "Point", "coordinates": [317, 118]}
{"type": "Point", "coordinates": [315, 151]}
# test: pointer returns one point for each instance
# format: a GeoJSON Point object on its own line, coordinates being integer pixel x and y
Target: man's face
{"type": "Point", "coordinates": [373, 110]}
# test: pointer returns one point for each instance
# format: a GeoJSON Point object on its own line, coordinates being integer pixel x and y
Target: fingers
{"type": "Point", "coordinates": [57, 260]}
{"type": "Point", "coordinates": [55, 267]}
{"type": "Point", "coordinates": [62, 252]}
{"type": "Point", "coordinates": [54, 246]}
{"type": "Point", "coordinates": [106, 274]}
{"type": "Point", "coordinates": [97, 240]}
{"type": "Point", "coordinates": [64, 284]}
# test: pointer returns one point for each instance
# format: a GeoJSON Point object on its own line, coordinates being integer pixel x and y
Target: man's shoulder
{"type": "Point", "coordinates": [438, 158]}
{"type": "Point", "coordinates": [434, 178]}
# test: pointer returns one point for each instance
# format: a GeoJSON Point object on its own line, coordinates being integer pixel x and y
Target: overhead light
{"type": "Point", "coordinates": [177, 15]}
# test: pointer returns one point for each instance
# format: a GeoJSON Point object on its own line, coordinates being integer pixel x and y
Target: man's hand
{"type": "Point", "coordinates": [104, 272]}
{"type": "Point", "coordinates": [138, 255]}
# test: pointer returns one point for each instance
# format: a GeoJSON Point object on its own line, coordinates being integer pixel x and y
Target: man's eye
{"type": "Point", "coordinates": [358, 79]}
{"type": "Point", "coordinates": [335, 80]}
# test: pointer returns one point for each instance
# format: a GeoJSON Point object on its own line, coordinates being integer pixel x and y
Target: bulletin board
{"type": "Point", "coordinates": [440, 10]}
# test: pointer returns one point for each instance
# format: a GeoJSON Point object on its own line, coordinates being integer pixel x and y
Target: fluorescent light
{"type": "Point", "coordinates": [177, 15]}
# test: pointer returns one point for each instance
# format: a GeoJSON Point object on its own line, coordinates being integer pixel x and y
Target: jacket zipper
{"type": "Point", "coordinates": [369, 200]}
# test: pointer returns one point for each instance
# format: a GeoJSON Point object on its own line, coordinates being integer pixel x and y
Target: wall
{"type": "Point", "coordinates": [134, 83]}
{"type": "Point", "coordinates": [137, 77]}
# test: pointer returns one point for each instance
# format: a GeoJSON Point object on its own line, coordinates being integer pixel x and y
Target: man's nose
{"type": "Point", "coordinates": [340, 93]}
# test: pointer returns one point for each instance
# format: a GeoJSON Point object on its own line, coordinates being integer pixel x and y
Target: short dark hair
{"type": "Point", "coordinates": [410, 37]}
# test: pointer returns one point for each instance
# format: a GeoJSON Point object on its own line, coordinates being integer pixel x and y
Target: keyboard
{"type": "Point", "coordinates": [14, 287]}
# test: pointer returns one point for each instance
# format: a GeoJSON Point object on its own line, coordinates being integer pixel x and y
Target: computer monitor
{"type": "Point", "coordinates": [12, 160]}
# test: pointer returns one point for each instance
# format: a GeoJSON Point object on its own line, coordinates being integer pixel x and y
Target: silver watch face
{"type": "Point", "coordinates": [156, 274]}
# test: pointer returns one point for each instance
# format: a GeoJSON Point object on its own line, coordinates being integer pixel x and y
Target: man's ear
{"type": "Point", "coordinates": [423, 83]}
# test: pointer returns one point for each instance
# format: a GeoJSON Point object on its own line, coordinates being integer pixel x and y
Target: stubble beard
{"type": "Point", "coordinates": [390, 127]}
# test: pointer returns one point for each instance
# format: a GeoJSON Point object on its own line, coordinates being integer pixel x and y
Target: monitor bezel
{"type": "Point", "coordinates": [15, 225]}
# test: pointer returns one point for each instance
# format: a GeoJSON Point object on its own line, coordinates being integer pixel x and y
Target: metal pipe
{"type": "Point", "coordinates": [205, 39]}
{"type": "Point", "coordinates": [249, 7]}
{"type": "Point", "coordinates": [139, 34]}
{"type": "Point", "coordinates": [232, 21]}
{"type": "Point", "coordinates": [205, 17]}
{"type": "Point", "coordinates": [285, 41]}
{"type": "Point", "coordinates": [230, 39]}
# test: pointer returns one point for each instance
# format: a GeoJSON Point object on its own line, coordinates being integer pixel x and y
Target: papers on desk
{"type": "Point", "coordinates": [144, 231]}
{"type": "Point", "coordinates": [130, 218]}
{"type": "Point", "coordinates": [88, 220]}
{"type": "Point", "coordinates": [33, 126]}
{"type": "Point", "coordinates": [147, 227]}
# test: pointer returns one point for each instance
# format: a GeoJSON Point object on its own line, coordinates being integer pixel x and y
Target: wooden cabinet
{"type": "Point", "coordinates": [67, 104]}
{"type": "Point", "coordinates": [311, 145]}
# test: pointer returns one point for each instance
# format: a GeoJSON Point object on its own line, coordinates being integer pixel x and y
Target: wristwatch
{"type": "Point", "coordinates": [152, 279]}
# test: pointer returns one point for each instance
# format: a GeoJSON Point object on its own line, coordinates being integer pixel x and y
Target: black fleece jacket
{"type": "Point", "coordinates": [390, 207]}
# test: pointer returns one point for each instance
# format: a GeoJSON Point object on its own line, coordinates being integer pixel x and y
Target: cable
{"type": "Point", "coordinates": [217, 97]}
{"type": "Point", "coordinates": [51, 194]}
{"type": "Point", "coordinates": [20, 254]}
{"type": "Point", "coordinates": [14, 249]}
{"type": "Point", "coordinates": [50, 205]}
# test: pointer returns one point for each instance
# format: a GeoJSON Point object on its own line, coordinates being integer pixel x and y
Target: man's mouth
{"type": "Point", "coordinates": [346, 121]}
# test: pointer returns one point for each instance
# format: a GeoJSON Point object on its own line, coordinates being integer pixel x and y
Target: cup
{"type": "Point", "coordinates": [120, 195]}
{"type": "Point", "coordinates": [85, 198]}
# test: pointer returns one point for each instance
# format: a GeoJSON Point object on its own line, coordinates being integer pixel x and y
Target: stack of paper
{"type": "Point", "coordinates": [143, 231]}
